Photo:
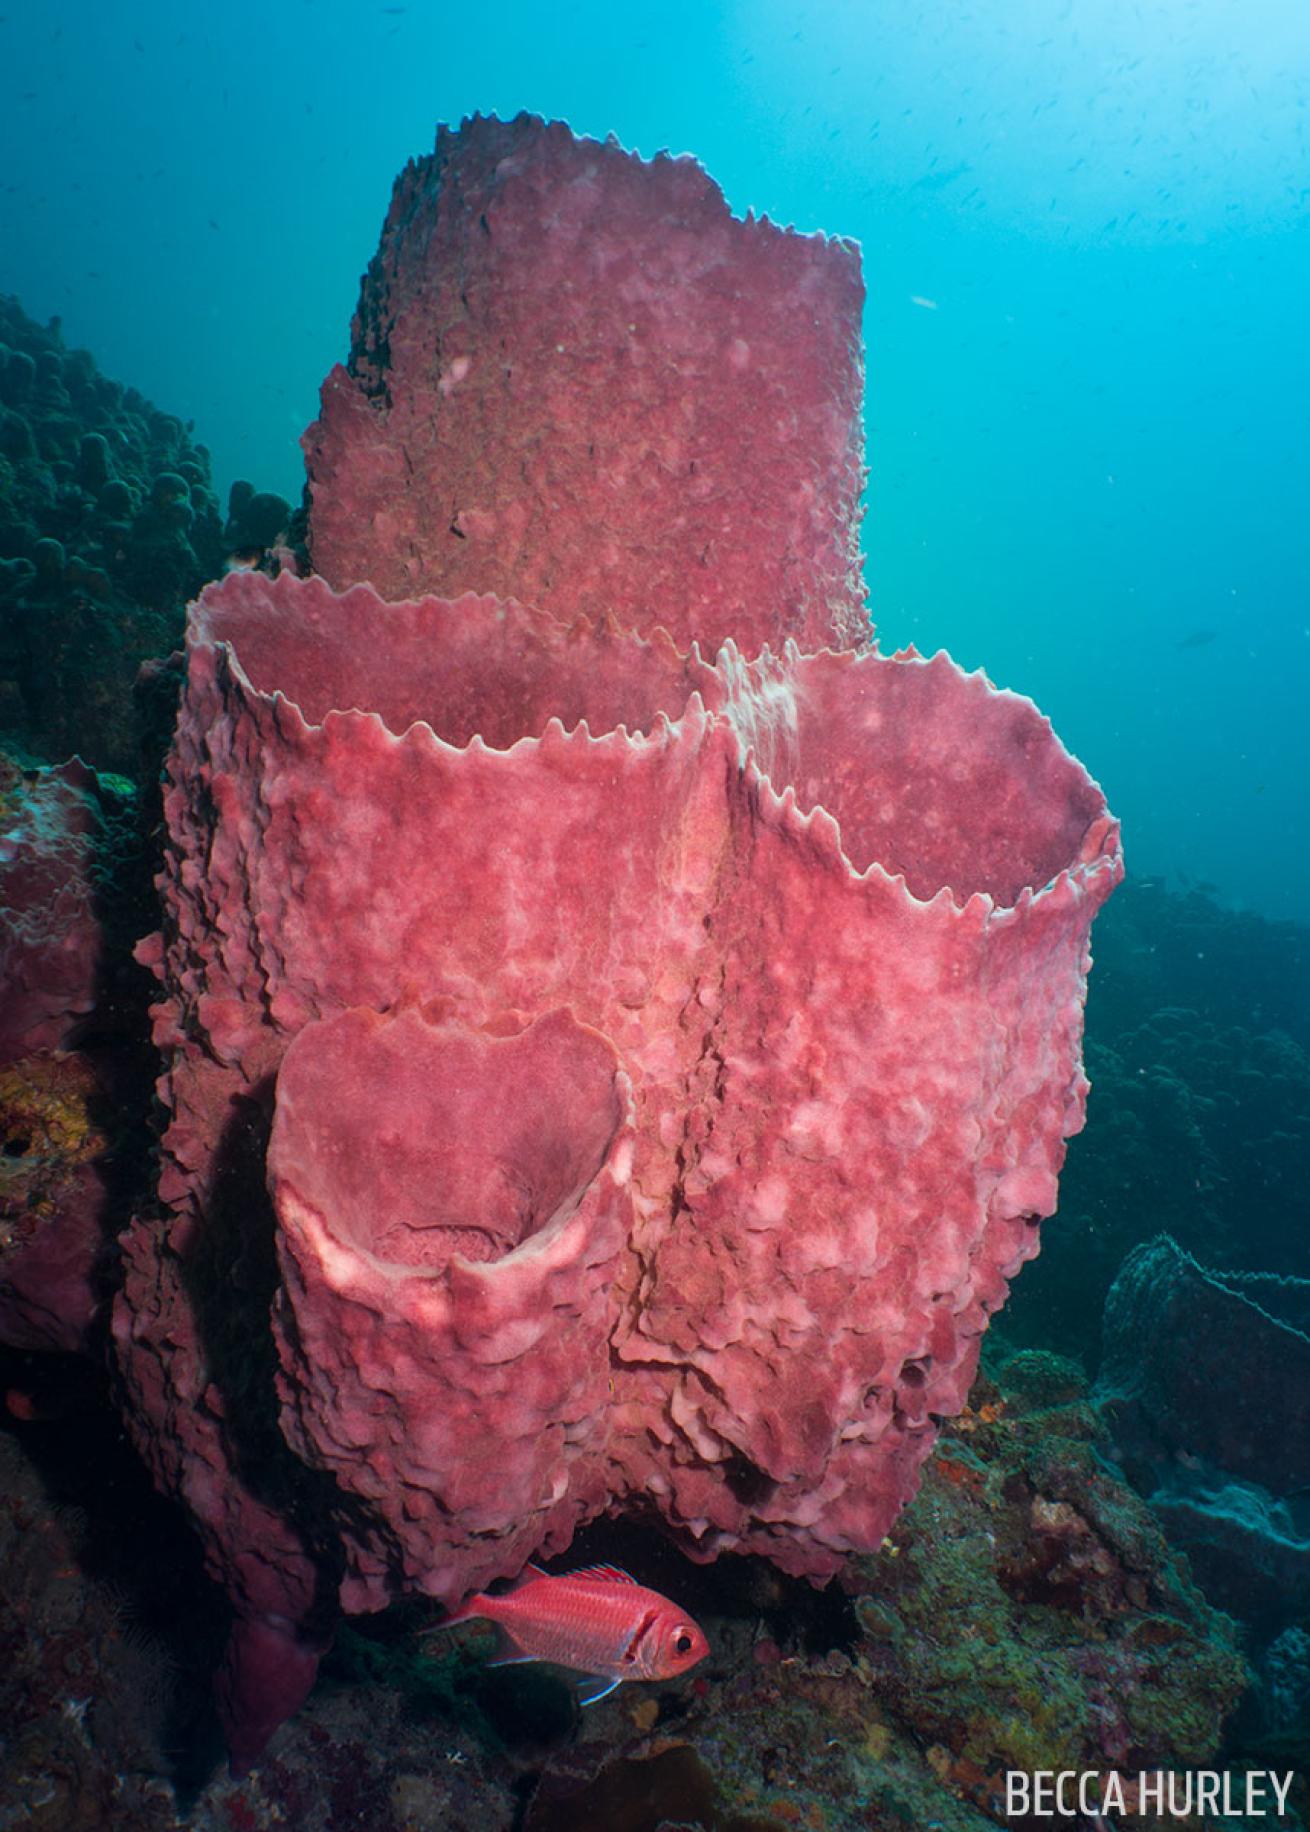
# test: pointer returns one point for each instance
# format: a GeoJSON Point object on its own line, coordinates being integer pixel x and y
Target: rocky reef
{"type": "Point", "coordinates": [1229, 1480]}
{"type": "Point", "coordinates": [1025, 1611]}
{"type": "Point", "coordinates": [1198, 1046]}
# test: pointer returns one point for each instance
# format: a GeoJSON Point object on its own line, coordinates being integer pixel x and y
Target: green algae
{"type": "Point", "coordinates": [1029, 1614]}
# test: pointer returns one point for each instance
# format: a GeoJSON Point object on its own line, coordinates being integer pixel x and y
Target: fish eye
{"type": "Point", "coordinates": [682, 1642]}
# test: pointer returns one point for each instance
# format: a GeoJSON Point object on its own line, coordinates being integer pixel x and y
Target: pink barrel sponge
{"type": "Point", "coordinates": [557, 337]}
{"type": "Point", "coordinates": [616, 1054]}
{"type": "Point", "coordinates": [452, 1208]}
{"type": "Point", "coordinates": [51, 828]}
{"type": "Point", "coordinates": [824, 916]}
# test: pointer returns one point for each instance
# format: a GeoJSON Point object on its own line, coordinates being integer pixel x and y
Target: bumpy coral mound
{"type": "Point", "coordinates": [107, 525]}
{"type": "Point", "coordinates": [555, 336]}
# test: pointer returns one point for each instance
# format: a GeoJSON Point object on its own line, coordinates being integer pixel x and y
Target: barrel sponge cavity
{"type": "Point", "coordinates": [415, 1142]}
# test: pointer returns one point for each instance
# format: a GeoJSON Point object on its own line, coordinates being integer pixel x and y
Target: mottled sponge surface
{"type": "Point", "coordinates": [452, 1207]}
{"type": "Point", "coordinates": [666, 1076]}
{"type": "Point", "coordinates": [51, 831]}
{"type": "Point", "coordinates": [577, 379]}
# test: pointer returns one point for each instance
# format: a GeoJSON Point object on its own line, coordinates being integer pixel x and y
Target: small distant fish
{"type": "Point", "coordinates": [597, 1621]}
{"type": "Point", "coordinates": [938, 180]}
{"type": "Point", "coordinates": [929, 305]}
{"type": "Point", "coordinates": [1197, 640]}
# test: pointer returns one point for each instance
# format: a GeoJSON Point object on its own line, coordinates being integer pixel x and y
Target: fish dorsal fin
{"type": "Point", "coordinates": [609, 1574]}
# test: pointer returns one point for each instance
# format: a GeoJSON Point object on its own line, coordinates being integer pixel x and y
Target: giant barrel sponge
{"type": "Point", "coordinates": [617, 1055]}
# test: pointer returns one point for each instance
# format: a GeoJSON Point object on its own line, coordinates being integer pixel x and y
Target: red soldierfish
{"type": "Point", "coordinates": [598, 1621]}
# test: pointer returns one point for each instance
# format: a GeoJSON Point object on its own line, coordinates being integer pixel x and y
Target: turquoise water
{"type": "Point", "coordinates": [1086, 234]}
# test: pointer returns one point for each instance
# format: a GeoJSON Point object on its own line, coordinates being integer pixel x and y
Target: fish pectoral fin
{"type": "Point", "coordinates": [508, 1652]}
{"type": "Point", "coordinates": [593, 1687]}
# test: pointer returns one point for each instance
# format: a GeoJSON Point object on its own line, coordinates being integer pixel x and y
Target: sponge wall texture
{"type": "Point", "coordinates": [577, 379]}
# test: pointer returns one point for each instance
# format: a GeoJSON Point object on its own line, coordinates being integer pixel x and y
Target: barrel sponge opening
{"type": "Point", "coordinates": [936, 775]}
{"type": "Point", "coordinates": [468, 667]}
{"type": "Point", "coordinates": [415, 1142]}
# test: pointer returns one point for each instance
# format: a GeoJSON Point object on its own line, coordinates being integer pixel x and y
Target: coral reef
{"type": "Point", "coordinates": [1181, 950]}
{"type": "Point", "coordinates": [576, 379]}
{"type": "Point", "coordinates": [1026, 1608]}
{"type": "Point", "coordinates": [1273, 1725]}
{"type": "Point", "coordinates": [107, 526]}
{"type": "Point", "coordinates": [1078, 1639]}
{"type": "Point", "coordinates": [73, 1062]}
{"type": "Point", "coordinates": [51, 1201]}
{"type": "Point", "coordinates": [54, 842]}
{"type": "Point", "coordinates": [89, 1690]}
{"type": "Point", "coordinates": [1229, 1478]}
{"type": "Point", "coordinates": [1198, 1046]}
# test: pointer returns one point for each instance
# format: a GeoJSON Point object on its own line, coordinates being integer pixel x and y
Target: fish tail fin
{"type": "Point", "coordinates": [481, 1606]}
{"type": "Point", "coordinates": [467, 1612]}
